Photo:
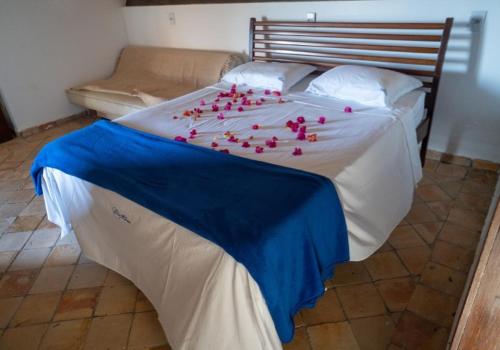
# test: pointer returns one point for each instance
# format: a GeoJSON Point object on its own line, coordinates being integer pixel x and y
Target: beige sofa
{"type": "Point", "coordinates": [145, 76]}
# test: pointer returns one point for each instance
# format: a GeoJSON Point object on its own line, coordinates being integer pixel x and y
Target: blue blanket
{"type": "Point", "coordinates": [285, 226]}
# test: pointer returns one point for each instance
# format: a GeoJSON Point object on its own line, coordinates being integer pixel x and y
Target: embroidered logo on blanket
{"type": "Point", "coordinates": [120, 216]}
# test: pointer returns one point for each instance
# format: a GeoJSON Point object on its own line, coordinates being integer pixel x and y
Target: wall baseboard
{"type": "Point", "coordinates": [462, 161]}
{"type": "Point", "coordinates": [46, 126]}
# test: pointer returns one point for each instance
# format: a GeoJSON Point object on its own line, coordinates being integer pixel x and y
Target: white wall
{"type": "Point", "coordinates": [47, 46]}
{"type": "Point", "coordinates": [467, 119]}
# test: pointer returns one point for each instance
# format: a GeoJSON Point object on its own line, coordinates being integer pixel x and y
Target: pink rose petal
{"type": "Point", "coordinates": [203, 102]}
{"type": "Point", "coordinates": [267, 92]}
{"type": "Point", "coordinates": [245, 144]}
{"type": "Point", "coordinates": [226, 151]}
{"type": "Point", "coordinates": [321, 119]}
{"type": "Point", "coordinates": [271, 143]}
{"type": "Point", "coordinates": [220, 116]}
{"type": "Point", "coordinates": [214, 144]}
{"type": "Point", "coordinates": [240, 109]}
{"type": "Point", "coordinates": [301, 120]}
{"type": "Point", "coordinates": [276, 93]}
{"type": "Point", "coordinates": [348, 109]}
{"type": "Point", "coordinates": [215, 108]}
{"type": "Point", "coordinates": [180, 139]}
{"type": "Point", "coordinates": [297, 151]}
{"type": "Point", "coordinates": [255, 126]}
{"type": "Point", "coordinates": [303, 128]}
{"type": "Point", "coordinates": [301, 136]}
{"type": "Point", "coordinates": [259, 149]}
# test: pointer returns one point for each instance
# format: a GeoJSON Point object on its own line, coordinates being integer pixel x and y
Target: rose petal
{"type": "Point", "coordinates": [245, 144]}
{"type": "Point", "coordinates": [240, 109]}
{"type": "Point", "coordinates": [226, 151]}
{"type": "Point", "coordinates": [180, 139]}
{"type": "Point", "coordinates": [255, 126]}
{"type": "Point", "coordinates": [214, 144]}
{"type": "Point", "coordinates": [220, 116]}
{"type": "Point", "coordinates": [321, 119]}
{"type": "Point", "coordinates": [348, 109]}
{"type": "Point", "coordinates": [301, 136]}
{"type": "Point", "coordinates": [267, 92]}
{"type": "Point", "coordinates": [301, 120]}
{"type": "Point", "coordinates": [271, 143]}
{"type": "Point", "coordinates": [297, 151]}
{"type": "Point", "coordinates": [259, 149]}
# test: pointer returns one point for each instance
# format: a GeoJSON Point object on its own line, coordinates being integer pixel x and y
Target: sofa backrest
{"type": "Point", "coordinates": [199, 68]}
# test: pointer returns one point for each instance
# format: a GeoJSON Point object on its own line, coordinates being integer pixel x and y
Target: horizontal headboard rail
{"type": "Point", "coordinates": [413, 48]}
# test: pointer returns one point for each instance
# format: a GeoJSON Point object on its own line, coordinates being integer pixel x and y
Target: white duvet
{"type": "Point", "coordinates": [204, 298]}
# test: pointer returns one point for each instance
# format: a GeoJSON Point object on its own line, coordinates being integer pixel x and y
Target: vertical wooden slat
{"type": "Point", "coordinates": [251, 42]}
{"type": "Point", "coordinates": [435, 85]}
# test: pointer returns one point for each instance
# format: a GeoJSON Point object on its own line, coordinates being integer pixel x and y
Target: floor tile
{"type": "Point", "coordinates": [146, 332]}
{"type": "Point", "coordinates": [396, 292]}
{"type": "Point", "coordinates": [8, 307]}
{"type": "Point", "coordinates": [115, 279]}
{"type": "Point", "coordinates": [451, 170]}
{"type": "Point", "coordinates": [30, 259]}
{"type": "Point", "coordinates": [466, 218]}
{"type": "Point", "coordinates": [451, 255]}
{"type": "Point", "coordinates": [429, 230]}
{"type": "Point", "coordinates": [20, 196]}
{"type": "Point", "coordinates": [66, 335]}
{"type": "Point", "coordinates": [22, 338]}
{"type": "Point", "coordinates": [327, 310]}
{"type": "Point", "coordinates": [17, 283]}
{"type": "Point", "coordinates": [299, 342]}
{"type": "Point", "coordinates": [433, 305]}
{"type": "Point", "coordinates": [44, 238]}
{"type": "Point", "coordinates": [52, 279]}
{"type": "Point", "coordinates": [9, 210]}
{"type": "Point", "coordinates": [116, 300]}
{"type": "Point", "coordinates": [35, 208]}
{"type": "Point", "coordinates": [88, 275]}
{"type": "Point", "coordinates": [414, 332]}
{"type": "Point", "coordinates": [431, 193]}
{"type": "Point", "coordinates": [77, 303]}
{"type": "Point", "coordinates": [405, 237]}
{"type": "Point", "coordinates": [330, 336]}
{"type": "Point", "coordinates": [5, 259]}
{"type": "Point", "coordinates": [143, 304]}
{"type": "Point", "coordinates": [13, 241]}
{"type": "Point", "coordinates": [443, 279]}
{"type": "Point", "coordinates": [349, 273]}
{"type": "Point", "coordinates": [415, 258]}
{"type": "Point", "coordinates": [385, 265]}
{"type": "Point", "coordinates": [109, 333]}
{"type": "Point", "coordinates": [361, 300]}
{"type": "Point", "coordinates": [35, 309]}
{"type": "Point", "coordinates": [62, 255]}
{"type": "Point", "coordinates": [24, 223]}
{"type": "Point", "coordinates": [460, 236]}
{"type": "Point", "coordinates": [420, 213]}
{"type": "Point", "coordinates": [373, 333]}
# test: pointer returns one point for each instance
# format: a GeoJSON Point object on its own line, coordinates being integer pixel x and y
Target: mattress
{"type": "Point", "coordinates": [204, 298]}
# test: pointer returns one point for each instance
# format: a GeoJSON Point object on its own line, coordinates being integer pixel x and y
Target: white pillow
{"type": "Point", "coordinates": [369, 86]}
{"type": "Point", "coordinates": [268, 75]}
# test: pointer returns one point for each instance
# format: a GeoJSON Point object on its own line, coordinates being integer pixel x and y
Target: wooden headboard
{"type": "Point", "coordinates": [417, 49]}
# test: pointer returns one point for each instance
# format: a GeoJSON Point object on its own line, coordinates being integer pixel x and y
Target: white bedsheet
{"type": "Point", "coordinates": [204, 298]}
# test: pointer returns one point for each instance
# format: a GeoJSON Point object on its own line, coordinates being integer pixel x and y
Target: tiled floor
{"type": "Point", "coordinates": [402, 297]}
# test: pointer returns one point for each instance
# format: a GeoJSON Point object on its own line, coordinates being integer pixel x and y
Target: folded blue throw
{"type": "Point", "coordinates": [286, 226]}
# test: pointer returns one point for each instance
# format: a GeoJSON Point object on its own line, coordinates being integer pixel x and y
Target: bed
{"type": "Point", "coordinates": [206, 299]}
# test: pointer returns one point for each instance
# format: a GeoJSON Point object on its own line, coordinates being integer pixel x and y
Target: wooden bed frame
{"type": "Point", "coordinates": [417, 49]}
